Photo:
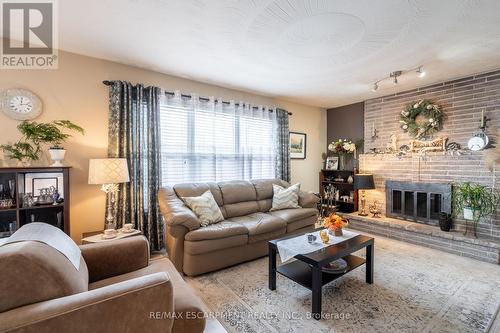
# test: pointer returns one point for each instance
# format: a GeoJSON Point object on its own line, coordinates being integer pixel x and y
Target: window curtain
{"type": "Point", "coordinates": [282, 146]}
{"type": "Point", "coordinates": [134, 135]}
{"type": "Point", "coordinates": [207, 140]}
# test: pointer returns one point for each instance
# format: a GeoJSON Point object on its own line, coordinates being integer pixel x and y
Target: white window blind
{"type": "Point", "coordinates": [210, 142]}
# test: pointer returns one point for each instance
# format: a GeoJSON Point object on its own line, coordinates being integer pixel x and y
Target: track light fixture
{"type": "Point", "coordinates": [394, 76]}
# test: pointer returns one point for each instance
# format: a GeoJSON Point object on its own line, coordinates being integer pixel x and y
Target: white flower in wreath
{"type": "Point", "coordinates": [431, 120]}
{"type": "Point", "coordinates": [428, 107]}
{"type": "Point", "coordinates": [416, 106]}
{"type": "Point", "coordinates": [405, 126]}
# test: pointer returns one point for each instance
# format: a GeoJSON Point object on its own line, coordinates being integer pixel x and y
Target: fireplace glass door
{"type": "Point", "coordinates": [418, 202]}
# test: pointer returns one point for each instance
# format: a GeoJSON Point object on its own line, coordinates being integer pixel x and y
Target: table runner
{"type": "Point", "coordinates": [291, 247]}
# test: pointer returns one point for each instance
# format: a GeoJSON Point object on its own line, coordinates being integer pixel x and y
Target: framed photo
{"type": "Point", "coordinates": [332, 163]}
{"type": "Point", "coordinates": [298, 142]}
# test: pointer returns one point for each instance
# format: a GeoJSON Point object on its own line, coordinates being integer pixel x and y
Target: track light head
{"type": "Point", "coordinates": [421, 72]}
{"type": "Point", "coordinates": [395, 75]}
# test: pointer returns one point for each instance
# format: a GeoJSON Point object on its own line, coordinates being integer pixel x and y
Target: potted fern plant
{"type": "Point", "coordinates": [36, 135]}
{"type": "Point", "coordinates": [474, 202]}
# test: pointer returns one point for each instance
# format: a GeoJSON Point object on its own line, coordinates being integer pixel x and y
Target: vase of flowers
{"type": "Point", "coordinates": [334, 223]}
{"type": "Point", "coordinates": [342, 148]}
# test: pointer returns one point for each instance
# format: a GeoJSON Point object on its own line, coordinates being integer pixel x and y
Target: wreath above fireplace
{"type": "Point", "coordinates": [421, 119]}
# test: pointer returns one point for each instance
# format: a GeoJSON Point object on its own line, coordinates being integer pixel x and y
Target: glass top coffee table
{"type": "Point", "coordinates": [307, 269]}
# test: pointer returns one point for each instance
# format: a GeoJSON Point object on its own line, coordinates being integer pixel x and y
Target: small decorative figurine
{"type": "Point", "coordinates": [375, 210]}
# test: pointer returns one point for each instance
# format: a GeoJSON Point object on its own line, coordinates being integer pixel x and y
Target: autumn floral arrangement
{"type": "Point", "coordinates": [335, 223]}
{"type": "Point", "coordinates": [341, 147]}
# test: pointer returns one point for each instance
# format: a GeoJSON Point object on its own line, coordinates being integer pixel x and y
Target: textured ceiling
{"type": "Point", "coordinates": [318, 52]}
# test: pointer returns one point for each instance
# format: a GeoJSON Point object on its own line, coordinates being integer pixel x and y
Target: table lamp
{"type": "Point", "coordinates": [363, 182]}
{"type": "Point", "coordinates": [109, 172]}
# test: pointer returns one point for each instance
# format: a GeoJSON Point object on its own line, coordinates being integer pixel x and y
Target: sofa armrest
{"type": "Point", "coordinates": [143, 304]}
{"type": "Point", "coordinates": [174, 211]}
{"type": "Point", "coordinates": [108, 259]}
{"type": "Point", "coordinates": [308, 200]}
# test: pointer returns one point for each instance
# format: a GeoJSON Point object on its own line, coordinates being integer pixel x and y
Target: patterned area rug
{"type": "Point", "coordinates": [416, 289]}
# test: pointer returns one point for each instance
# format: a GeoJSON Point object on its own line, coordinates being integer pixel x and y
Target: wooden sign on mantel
{"type": "Point", "coordinates": [421, 146]}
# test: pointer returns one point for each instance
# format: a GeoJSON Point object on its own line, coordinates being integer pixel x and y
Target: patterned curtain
{"type": "Point", "coordinates": [134, 135]}
{"type": "Point", "coordinates": [282, 146]}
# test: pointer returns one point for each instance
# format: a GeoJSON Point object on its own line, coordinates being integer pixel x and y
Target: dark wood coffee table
{"type": "Point", "coordinates": [306, 270]}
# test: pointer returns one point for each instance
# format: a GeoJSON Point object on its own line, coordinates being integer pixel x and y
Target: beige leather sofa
{"type": "Point", "coordinates": [116, 289]}
{"type": "Point", "coordinates": [244, 233]}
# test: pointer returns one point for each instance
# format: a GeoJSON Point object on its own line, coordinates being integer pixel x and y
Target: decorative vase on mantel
{"type": "Point", "coordinates": [342, 165]}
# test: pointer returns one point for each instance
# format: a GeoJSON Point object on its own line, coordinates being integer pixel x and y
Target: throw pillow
{"type": "Point", "coordinates": [205, 207]}
{"type": "Point", "coordinates": [284, 198]}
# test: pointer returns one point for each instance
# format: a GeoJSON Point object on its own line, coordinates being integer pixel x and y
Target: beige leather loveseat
{"type": "Point", "coordinates": [244, 233]}
{"type": "Point", "coordinates": [116, 289]}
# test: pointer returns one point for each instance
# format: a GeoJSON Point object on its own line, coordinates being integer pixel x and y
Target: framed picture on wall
{"type": "Point", "coordinates": [298, 142]}
{"type": "Point", "coordinates": [332, 163]}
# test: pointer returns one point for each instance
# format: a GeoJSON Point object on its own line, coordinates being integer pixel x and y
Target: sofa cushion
{"type": "Point", "coordinates": [187, 306]}
{"type": "Point", "coordinates": [215, 231]}
{"type": "Point", "coordinates": [205, 207]}
{"type": "Point", "coordinates": [237, 191]}
{"type": "Point", "coordinates": [210, 245]}
{"type": "Point", "coordinates": [264, 187]}
{"type": "Point", "coordinates": [265, 205]}
{"type": "Point", "coordinates": [241, 208]}
{"type": "Point", "coordinates": [292, 215]}
{"type": "Point", "coordinates": [303, 223]}
{"type": "Point", "coordinates": [32, 272]}
{"type": "Point", "coordinates": [285, 197]}
{"type": "Point", "coordinates": [258, 224]}
{"type": "Point", "coordinates": [197, 189]}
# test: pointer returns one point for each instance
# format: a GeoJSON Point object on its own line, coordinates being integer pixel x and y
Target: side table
{"type": "Point", "coordinates": [96, 236]}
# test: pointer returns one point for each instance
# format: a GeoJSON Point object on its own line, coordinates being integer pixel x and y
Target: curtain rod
{"type": "Point", "coordinates": [205, 99]}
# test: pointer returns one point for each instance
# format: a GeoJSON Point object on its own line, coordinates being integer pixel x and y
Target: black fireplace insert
{"type": "Point", "coordinates": [419, 202]}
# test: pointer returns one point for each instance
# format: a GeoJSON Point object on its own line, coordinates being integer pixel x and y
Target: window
{"type": "Point", "coordinates": [215, 143]}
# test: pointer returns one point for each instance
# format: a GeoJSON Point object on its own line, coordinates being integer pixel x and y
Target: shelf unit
{"type": "Point", "coordinates": [301, 272]}
{"type": "Point", "coordinates": [326, 177]}
{"type": "Point", "coordinates": [14, 217]}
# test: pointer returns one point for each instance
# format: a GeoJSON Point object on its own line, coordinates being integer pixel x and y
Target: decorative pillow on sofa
{"type": "Point", "coordinates": [205, 207]}
{"type": "Point", "coordinates": [284, 198]}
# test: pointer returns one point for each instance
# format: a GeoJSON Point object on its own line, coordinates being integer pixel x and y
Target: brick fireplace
{"type": "Point", "coordinates": [461, 101]}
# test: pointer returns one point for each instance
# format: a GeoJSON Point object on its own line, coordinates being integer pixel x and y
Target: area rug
{"type": "Point", "coordinates": [416, 289]}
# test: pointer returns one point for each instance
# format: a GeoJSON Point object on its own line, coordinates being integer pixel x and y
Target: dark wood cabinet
{"type": "Point", "coordinates": [17, 183]}
{"type": "Point", "coordinates": [338, 179]}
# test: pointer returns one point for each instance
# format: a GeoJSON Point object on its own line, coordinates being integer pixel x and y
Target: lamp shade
{"type": "Point", "coordinates": [108, 171]}
{"type": "Point", "coordinates": [363, 182]}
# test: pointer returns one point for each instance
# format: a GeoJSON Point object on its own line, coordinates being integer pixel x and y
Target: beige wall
{"type": "Point", "coordinates": [75, 92]}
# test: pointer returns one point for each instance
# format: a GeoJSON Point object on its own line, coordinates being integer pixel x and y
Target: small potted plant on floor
{"type": "Point", "coordinates": [474, 202]}
{"type": "Point", "coordinates": [334, 223]}
{"type": "Point", "coordinates": [37, 134]}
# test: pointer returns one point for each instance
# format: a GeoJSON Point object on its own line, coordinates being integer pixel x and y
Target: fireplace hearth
{"type": "Point", "coordinates": [419, 202]}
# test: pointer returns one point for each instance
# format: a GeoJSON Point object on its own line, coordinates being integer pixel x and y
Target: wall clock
{"type": "Point", "coordinates": [20, 104]}
{"type": "Point", "coordinates": [478, 142]}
